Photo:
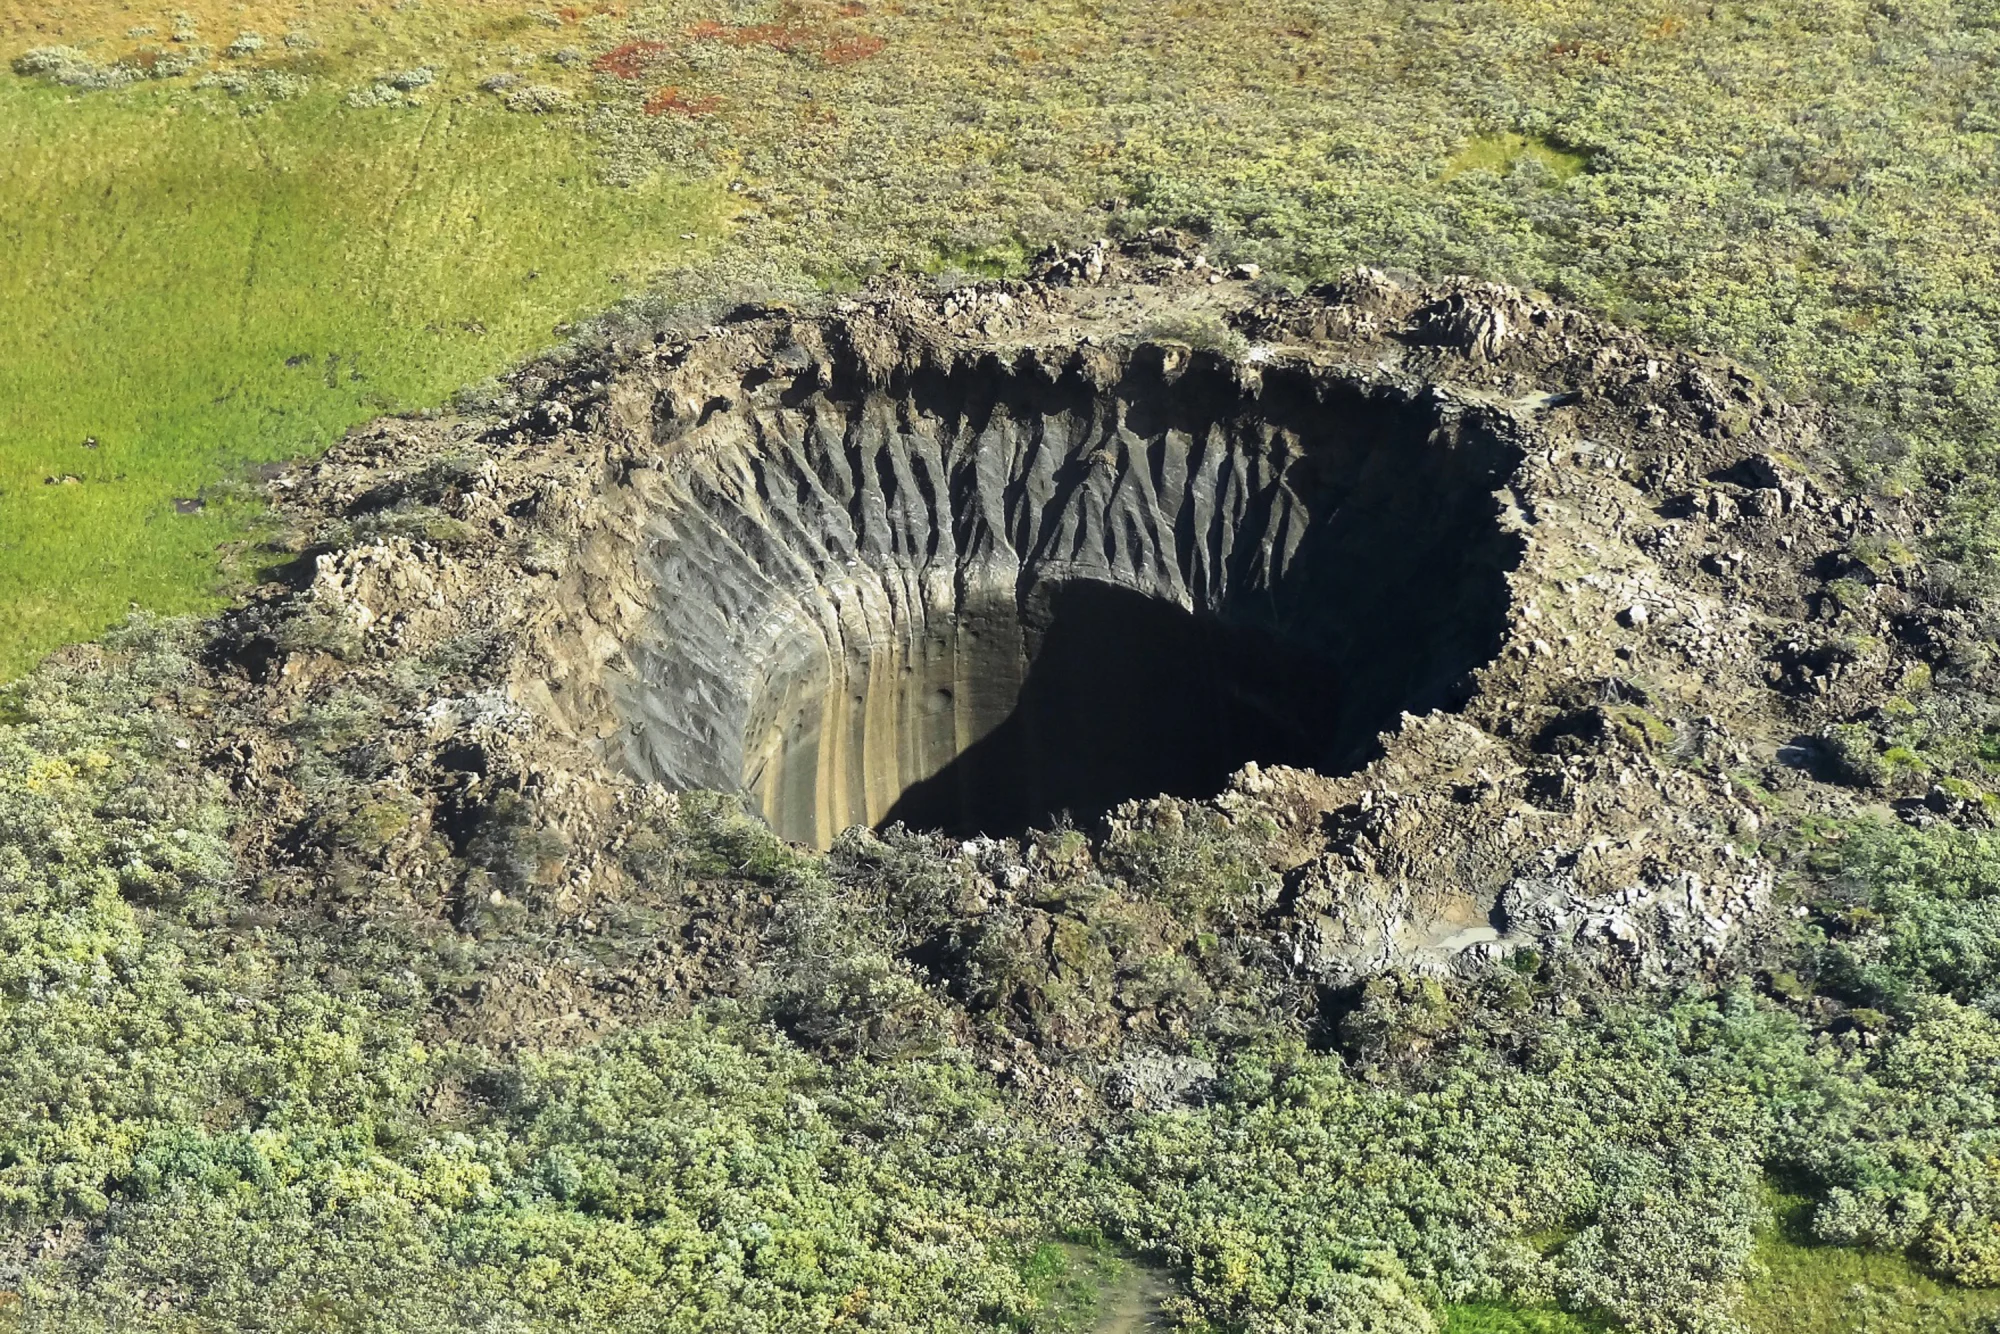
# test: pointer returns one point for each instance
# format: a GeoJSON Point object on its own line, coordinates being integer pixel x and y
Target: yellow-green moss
{"type": "Point", "coordinates": [1502, 153]}
{"type": "Point", "coordinates": [203, 289]}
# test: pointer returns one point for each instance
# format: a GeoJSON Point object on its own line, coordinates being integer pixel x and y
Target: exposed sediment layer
{"type": "Point", "coordinates": [980, 596]}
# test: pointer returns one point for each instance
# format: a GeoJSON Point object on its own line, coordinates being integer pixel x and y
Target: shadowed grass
{"type": "Point", "coordinates": [195, 289]}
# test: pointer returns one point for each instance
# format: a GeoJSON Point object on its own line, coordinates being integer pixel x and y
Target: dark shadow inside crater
{"type": "Point", "coordinates": [1128, 696]}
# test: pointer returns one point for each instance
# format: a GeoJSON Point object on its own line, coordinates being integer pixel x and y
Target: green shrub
{"type": "Point", "coordinates": [259, 1118]}
{"type": "Point", "coordinates": [1932, 915]}
{"type": "Point", "coordinates": [1854, 757]}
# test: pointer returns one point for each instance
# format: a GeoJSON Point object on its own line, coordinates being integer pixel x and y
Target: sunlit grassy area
{"type": "Point", "coordinates": [192, 289]}
{"type": "Point", "coordinates": [1805, 1288]}
{"type": "Point", "coordinates": [1502, 153]}
{"type": "Point", "coordinates": [1503, 1318]}
{"type": "Point", "coordinates": [1811, 190]}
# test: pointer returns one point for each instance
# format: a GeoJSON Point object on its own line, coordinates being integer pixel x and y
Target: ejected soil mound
{"type": "Point", "coordinates": [1496, 623]}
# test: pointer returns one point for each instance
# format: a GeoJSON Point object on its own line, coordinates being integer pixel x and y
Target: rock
{"type": "Point", "coordinates": [1766, 472]}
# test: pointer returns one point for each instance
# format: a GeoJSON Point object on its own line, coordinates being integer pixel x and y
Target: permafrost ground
{"type": "Point", "coordinates": [1477, 601]}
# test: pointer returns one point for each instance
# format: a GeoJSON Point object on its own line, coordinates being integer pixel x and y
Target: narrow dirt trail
{"type": "Point", "coordinates": [1136, 1304]}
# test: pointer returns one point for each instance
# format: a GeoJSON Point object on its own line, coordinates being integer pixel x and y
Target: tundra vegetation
{"type": "Point", "coordinates": [1811, 190]}
{"type": "Point", "coordinates": [224, 1109]}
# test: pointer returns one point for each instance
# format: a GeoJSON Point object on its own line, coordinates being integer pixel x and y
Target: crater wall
{"type": "Point", "coordinates": [979, 596]}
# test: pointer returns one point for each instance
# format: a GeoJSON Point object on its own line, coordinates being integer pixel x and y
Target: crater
{"type": "Point", "coordinates": [1507, 598]}
{"type": "Point", "coordinates": [977, 594]}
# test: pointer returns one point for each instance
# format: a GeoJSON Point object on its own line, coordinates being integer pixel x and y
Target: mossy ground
{"type": "Point", "coordinates": [1810, 189]}
{"type": "Point", "coordinates": [1803, 1286]}
{"type": "Point", "coordinates": [1501, 154]}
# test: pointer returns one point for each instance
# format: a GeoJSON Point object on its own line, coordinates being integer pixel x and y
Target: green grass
{"type": "Point", "coordinates": [1502, 153]}
{"type": "Point", "coordinates": [1085, 1287]}
{"type": "Point", "coordinates": [1003, 259]}
{"type": "Point", "coordinates": [1505, 1318]}
{"type": "Point", "coordinates": [1805, 1287]}
{"type": "Point", "coordinates": [198, 289]}
{"type": "Point", "coordinates": [1811, 189]}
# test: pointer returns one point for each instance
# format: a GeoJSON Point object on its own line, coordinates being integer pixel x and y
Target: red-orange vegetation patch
{"type": "Point", "coordinates": [787, 37]}
{"type": "Point", "coordinates": [674, 100]}
{"type": "Point", "coordinates": [630, 60]}
{"type": "Point", "coordinates": [792, 38]}
{"type": "Point", "coordinates": [847, 50]}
